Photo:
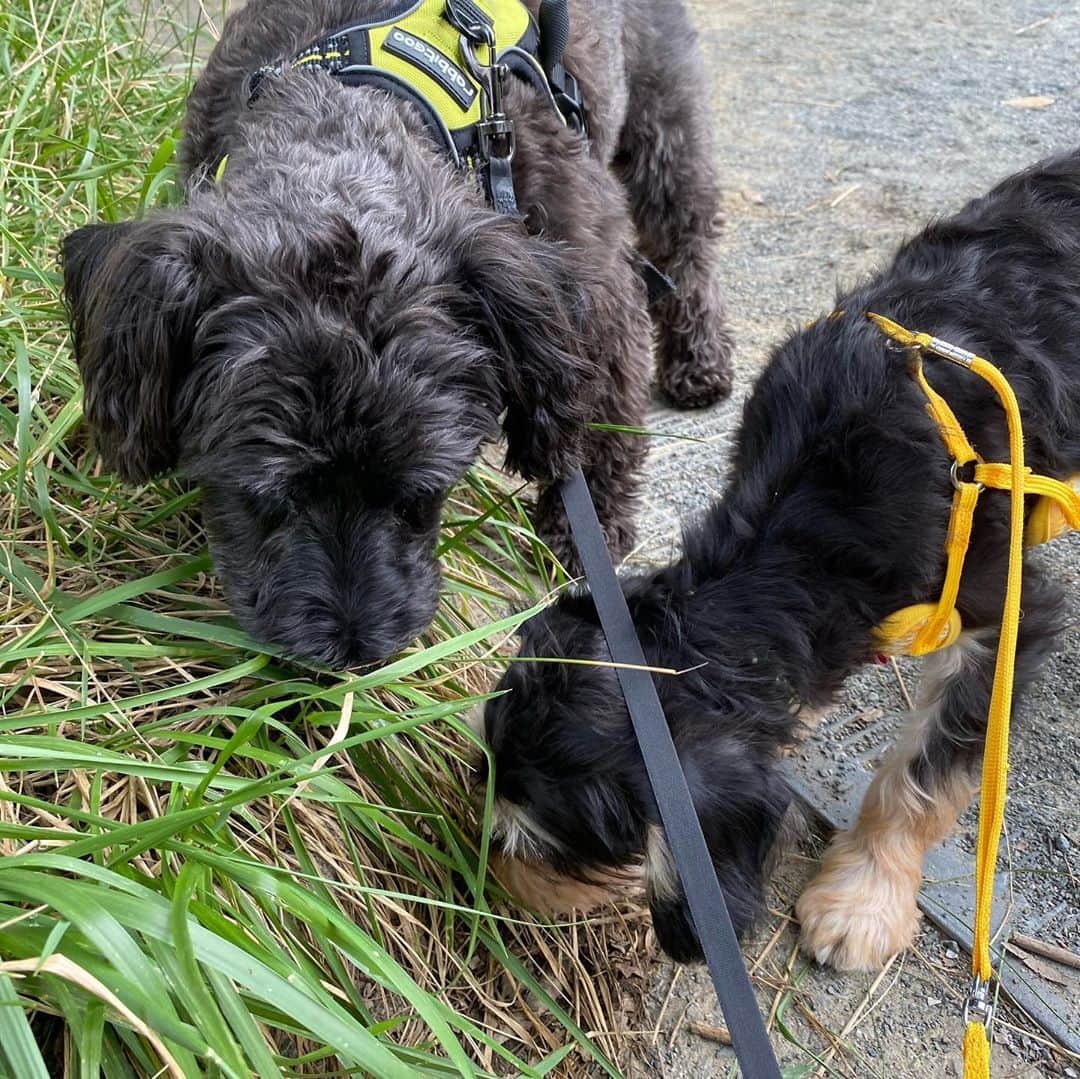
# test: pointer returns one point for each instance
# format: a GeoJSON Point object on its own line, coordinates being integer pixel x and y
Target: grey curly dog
{"type": "Point", "coordinates": [324, 339]}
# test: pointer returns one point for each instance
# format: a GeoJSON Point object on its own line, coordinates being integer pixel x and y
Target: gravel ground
{"type": "Point", "coordinates": [841, 129]}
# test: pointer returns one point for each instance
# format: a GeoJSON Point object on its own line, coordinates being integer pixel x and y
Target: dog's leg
{"type": "Point", "coordinates": [612, 459]}
{"type": "Point", "coordinates": [665, 162]}
{"type": "Point", "coordinates": [861, 908]}
{"type": "Point", "coordinates": [569, 196]}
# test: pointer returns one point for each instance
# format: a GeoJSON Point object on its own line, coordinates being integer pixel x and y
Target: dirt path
{"type": "Point", "coordinates": [841, 128]}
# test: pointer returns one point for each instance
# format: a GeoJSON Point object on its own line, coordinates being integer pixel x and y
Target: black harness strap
{"type": "Point", "coordinates": [500, 185]}
{"type": "Point", "coordinates": [681, 824]}
{"type": "Point", "coordinates": [554, 21]}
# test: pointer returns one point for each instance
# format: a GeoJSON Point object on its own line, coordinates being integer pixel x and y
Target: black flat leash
{"type": "Point", "coordinates": [680, 819]}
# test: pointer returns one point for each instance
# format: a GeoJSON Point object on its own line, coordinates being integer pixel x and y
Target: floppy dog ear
{"type": "Point", "coordinates": [530, 302]}
{"type": "Point", "coordinates": [133, 295]}
{"type": "Point", "coordinates": [740, 824]}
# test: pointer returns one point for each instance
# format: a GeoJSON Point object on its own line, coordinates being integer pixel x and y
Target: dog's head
{"type": "Point", "coordinates": [573, 801]}
{"type": "Point", "coordinates": [326, 386]}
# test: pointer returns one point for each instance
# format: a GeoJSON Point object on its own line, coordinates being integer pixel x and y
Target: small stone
{"type": "Point", "coordinates": [1033, 101]}
{"type": "Point", "coordinates": [951, 951]}
{"type": "Point", "coordinates": [933, 1002]}
{"type": "Point", "coordinates": [1062, 844]}
{"type": "Point", "coordinates": [1072, 1073]}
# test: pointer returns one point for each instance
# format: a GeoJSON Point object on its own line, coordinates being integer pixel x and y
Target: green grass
{"type": "Point", "coordinates": [214, 863]}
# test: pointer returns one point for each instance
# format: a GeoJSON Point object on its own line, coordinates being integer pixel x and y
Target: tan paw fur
{"type": "Point", "coordinates": [859, 910]}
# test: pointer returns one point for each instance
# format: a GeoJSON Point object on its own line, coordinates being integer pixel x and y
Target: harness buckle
{"type": "Point", "coordinates": [958, 480]}
{"type": "Point", "coordinates": [566, 91]}
{"type": "Point", "coordinates": [465, 16]}
{"type": "Point", "coordinates": [979, 1006]}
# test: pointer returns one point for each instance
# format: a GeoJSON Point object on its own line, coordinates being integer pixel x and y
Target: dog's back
{"type": "Point", "coordinates": [1000, 278]}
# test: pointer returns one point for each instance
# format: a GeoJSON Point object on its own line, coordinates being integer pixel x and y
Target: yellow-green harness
{"type": "Point", "coordinates": [449, 59]}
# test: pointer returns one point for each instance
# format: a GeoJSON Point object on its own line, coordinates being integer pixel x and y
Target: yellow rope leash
{"type": "Point", "coordinates": [996, 753]}
{"type": "Point", "coordinates": [924, 627]}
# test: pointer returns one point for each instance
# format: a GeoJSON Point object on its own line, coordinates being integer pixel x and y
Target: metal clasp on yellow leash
{"type": "Point", "coordinates": [926, 627]}
{"type": "Point", "coordinates": [979, 1005]}
{"type": "Point", "coordinates": [978, 1017]}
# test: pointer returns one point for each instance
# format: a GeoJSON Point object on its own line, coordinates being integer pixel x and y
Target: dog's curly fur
{"type": "Point", "coordinates": [325, 339]}
{"type": "Point", "coordinates": [835, 516]}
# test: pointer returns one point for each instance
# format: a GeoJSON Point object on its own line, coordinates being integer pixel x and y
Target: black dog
{"type": "Point", "coordinates": [835, 516]}
{"type": "Point", "coordinates": [325, 338]}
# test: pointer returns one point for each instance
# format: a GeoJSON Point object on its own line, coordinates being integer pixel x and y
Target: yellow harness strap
{"type": "Point", "coordinates": [926, 627]}
{"type": "Point", "coordinates": [942, 624]}
{"type": "Point", "coordinates": [1057, 510]}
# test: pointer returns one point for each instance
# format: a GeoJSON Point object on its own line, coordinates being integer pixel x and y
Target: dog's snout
{"type": "Point", "coordinates": [342, 635]}
{"type": "Point", "coordinates": [343, 592]}
{"type": "Point", "coordinates": [358, 644]}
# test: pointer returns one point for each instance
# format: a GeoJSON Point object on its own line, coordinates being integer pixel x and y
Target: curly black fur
{"type": "Point", "coordinates": [324, 339]}
{"type": "Point", "coordinates": [835, 516]}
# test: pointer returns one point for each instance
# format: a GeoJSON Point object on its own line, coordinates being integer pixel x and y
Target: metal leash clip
{"type": "Point", "coordinates": [495, 131]}
{"type": "Point", "coordinates": [979, 1007]}
{"type": "Point", "coordinates": [913, 352]}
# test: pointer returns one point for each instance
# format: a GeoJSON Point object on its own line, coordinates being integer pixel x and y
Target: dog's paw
{"type": "Point", "coordinates": [859, 910]}
{"type": "Point", "coordinates": [695, 368]}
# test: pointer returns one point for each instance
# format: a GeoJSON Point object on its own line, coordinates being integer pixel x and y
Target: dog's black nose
{"type": "Point", "coordinates": [342, 643]}
{"type": "Point", "coordinates": [340, 635]}
{"type": "Point", "coordinates": [358, 646]}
